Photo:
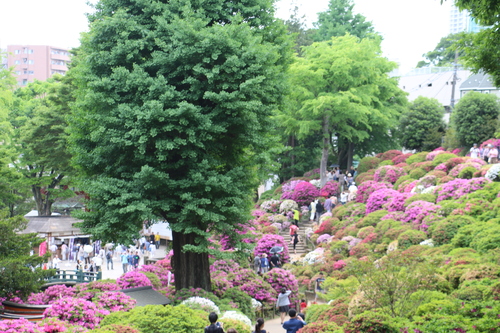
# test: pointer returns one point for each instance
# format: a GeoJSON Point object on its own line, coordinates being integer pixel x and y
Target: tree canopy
{"type": "Point", "coordinates": [172, 119]}
{"type": "Point", "coordinates": [475, 118]}
{"type": "Point", "coordinates": [421, 124]}
{"type": "Point", "coordinates": [339, 19]}
{"type": "Point", "coordinates": [341, 88]}
{"type": "Point", "coordinates": [444, 53]}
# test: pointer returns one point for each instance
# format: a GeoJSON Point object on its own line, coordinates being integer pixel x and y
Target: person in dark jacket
{"type": "Point", "coordinates": [295, 323]}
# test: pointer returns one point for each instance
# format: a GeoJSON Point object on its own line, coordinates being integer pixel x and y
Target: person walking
{"type": "Point", "coordinates": [275, 261]}
{"type": "Point", "coordinates": [312, 209]}
{"type": "Point", "coordinates": [264, 264]}
{"type": "Point", "coordinates": [259, 327]}
{"type": "Point", "coordinates": [474, 151]}
{"type": "Point", "coordinates": [492, 154]}
{"type": "Point", "coordinates": [124, 258]}
{"type": "Point", "coordinates": [109, 260]}
{"type": "Point", "coordinates": [295, 323]}
{"type": "Point", "coordinates": [256, 264]}
{"type": "Point", "coordinates": [295, 241]}
{"type": "Point", "coordinates": [215, 326]}
{"type": "Point", "coordinates": [319, 209]}
{"type": "Point", "coordinates": [283, 303]}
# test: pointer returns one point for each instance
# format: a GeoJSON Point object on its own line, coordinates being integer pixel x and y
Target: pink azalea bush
{"type": "Point", "coordinates": [339, 265]}
{"type": "Point", "coordinates": [441, 167]}
{"type": "Point", "coordinates": [114, 301]}
{"type": "Point", "coordinates": [76, 311]}
{"type": "Point", "coordinates": [458, 168]}
{"type": "Point", "coordinates": [388, 173]}
{"type": "Point", "coordinates": [368, 187]}
{"type": "Point", "coordinates": [304, 193]}
{"type": "Point", "coordinates": [88, 291]}
{"type": "Point", "coordinates": [265, 244]}
{"type": "Point", "coordinates": [407, 186]}
{"type": "Point", "coordinates": [417, 211]}
{"type": "Point", "coordinates": [458, 187]}
{"type": "Point", "coordinates": [51, 294]}
{"type": "Point", "coordinates": [18, 326]}
{"type": "Point", "coordinates": [433, 154]}
{"type": "Point", "coordinates": [270, 206]}
{"type": "Point", "coordinates": [282, 278]}
{"type": "Point", "coordinates": [385, 198]}
{"type": "Point", "coordinates": [133, 279]}
{"type": "Point", "coordinates": [323, 238]}
{"type": "Point", "coordinates": [330, 188]}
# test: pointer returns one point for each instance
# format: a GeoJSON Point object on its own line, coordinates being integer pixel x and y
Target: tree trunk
{"type": "Point", "coordinates": [191, 270]}
{"type": "Point", "coordinates": [325, 150]}
{"type": "Point", "coordinates": [350, 154]}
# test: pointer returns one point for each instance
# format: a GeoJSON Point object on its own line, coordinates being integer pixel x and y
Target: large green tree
{"type": "Point", "coordinates": [339, 19]}
{"type": "Point", "coordinates": [172, 119]}
{"type": "Point", "coordinates": [297, 28]}
{"type": "Point", "coordinates": [421, 126]}
{"type": "Point", "coordinates": [341, 88]}
{"type": "Point", "coordinates": [475, 118]}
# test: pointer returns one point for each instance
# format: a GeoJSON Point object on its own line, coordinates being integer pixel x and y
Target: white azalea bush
{"type": "Point", "coordinates": [238, 316]}
{"type": "Point", "coordinates": [316, 182]}
{"type": "Point", "coordinates": [314, 256]}
{"type": "Point", "coordinates": [493, 173]}
{"type": "Point", "coordinates": [256, 305]}
{"type": "Point", "coordinates": [200, 303]}
{"type": "Point", "coordinates": [288, 206]}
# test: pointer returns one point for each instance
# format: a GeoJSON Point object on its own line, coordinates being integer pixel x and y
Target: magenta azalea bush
{"type": "Point", "coordinates": [19, 326]}
{"type": "Point", "coordinates": [368, 187]}
{"type": "Point", "coordinates": [162, 273]}
{"type": "Point", "coordinates": [288, 188]}
{"type": "Point", "coordinates": [330, 188]}
{"type": "Point", "coordinates": [268, 241]}
{"type": "Point", "coordinates": [89, 290]}
{"type": "Point", "coordinates": [458, 187]}
{"type": "Point", "coordinates": [114, 301]}
{"type": "Point", "coordinates": [304, 193]}
{"type": "Point", "coordinates": [417, 211]}
{"type": "Point", "coordinates": [433, 154]}
{"type": "Point", "coordinates": [441, 167]}
{"type": "Point", "coordinates": [77, 311]}
{"type": "Point", "coordinates": [133, 279]}
{"type": "Point", "coordinates": [388, 173]}
{"type": "Point", "coordinates": [379, 198]}
{"type": "Point", "coordinates": [282, 278]}
{"type": "Point", "coordinates": [51, 294]}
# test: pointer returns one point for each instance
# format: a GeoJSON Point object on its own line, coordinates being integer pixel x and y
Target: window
{"type": "Point", "coordinates": [17, 51]}
{"type": "Point", "coordinates": [31, 62]}
{"type": "Point", "coordinates": [29, 72]}
{"type": "Point", "coordinates": [25, 60]}
{"type": "Point", "coordinates": [17, 62]}
{"type": "Point", "coordinates": [27, 51]}
{"type": "Point", "coordinates": [18, 72]}
{"type": "Point", "coordinates": [25, 82]}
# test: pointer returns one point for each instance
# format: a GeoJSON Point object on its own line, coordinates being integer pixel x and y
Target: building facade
{"type": "Point", "coordinates": [461, 21]}
{"type": "Point", "coordinates": [38, 62]}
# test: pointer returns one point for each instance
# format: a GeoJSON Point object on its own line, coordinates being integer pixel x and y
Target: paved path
{"type": "Point", "coordinates": [274, 325]}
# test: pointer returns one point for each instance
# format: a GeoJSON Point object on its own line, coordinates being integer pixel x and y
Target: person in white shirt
{"type": "Point", "coordinates": [474, 151]}
{"type": "Point", "coordinates": [55, 262]}
{"type": "Point", "coordinates": [97, 260]}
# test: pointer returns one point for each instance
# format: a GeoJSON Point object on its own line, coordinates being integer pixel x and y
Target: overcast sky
{"type": "Point", "coordinates": [409, 27]}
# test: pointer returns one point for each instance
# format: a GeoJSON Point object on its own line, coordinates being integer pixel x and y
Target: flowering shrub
{"type": "Point", "coordinates": [323, 238]}
{"type": "Point", "coordinates": [407, 186]}
{"type": "Point", "coordinates": [237, 316]}
{"type": "Point", "coordinates": [312, 172]}
{"type": "Point", "coordinates": [367, 163]}
{"type": "Point", "coordinates": [133, 279]}
{"type": "Point", "coordinates": [453, 162]}
{"type": "Point", "coordinates": [200, 303]}
{"type": "Point", "coordinates": [433, 154]}
{"type": "Point", "coordinates": [288, 205]}
{"type": "Point", "coordinates": [161, 272]}
{"type": "Point", "coordinates": [316, 183]}
{"type": "Point", "coordinates": [330, 188]}
{"type": "Point", "coordinates": [391, 200]}
{"type": "Point", "coordinates": [114, 301]}
{"type": "Point", "coordinates": [493, 173]}
{"type": "Point", "coordinates": [417, 211]}
{"type": "Point", "coordinates": [18, 326]}
{"type": "Point", "coordinates": [459, 167]}
{"type": "Point", "coordinates": [238, 325]}
{"type": "Point", "coordinates": [494, 142]}
{"type": "Point", "coordinates": [304, 193]}
{"type": "Point", "coordinates": [265, 244]}
{"type": "Point", "coordinates": [270, 206]}
{"type": "Point", "coordinates": [282, 278]}
{"type": "Point", "coordinates": [76, 311]}
{"type": "Point", "coordinates": [368, 187]}
{"type": "Point", "coordinates": [51, 294]}
{"type": "Point", "coordinates": [401, 158]}
{"type": "Point", "coordinates": [389, 173]}
{"type": "Point", "coordinates": [260, 290]}
{"type": "Point", "coordinates": [89, 290]}
{"type": "Point", "coordinates": [314, 256]}
{"type": "Point", "coordinates": [457, 188]}
{"type": "Point", "coordinates": [441, 167]}
{"type": "Point", "coordinates": [339, 265]}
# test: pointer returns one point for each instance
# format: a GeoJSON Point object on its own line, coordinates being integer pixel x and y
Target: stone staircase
{"type": "Point", "coordinates": [301, 246]}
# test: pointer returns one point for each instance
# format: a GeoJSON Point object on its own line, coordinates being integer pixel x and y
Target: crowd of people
{"type": "Point", "coordinates": [489, 153]}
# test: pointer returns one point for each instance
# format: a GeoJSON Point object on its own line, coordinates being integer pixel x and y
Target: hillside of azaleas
{"type": "Point", "coordinates": [418, 250]}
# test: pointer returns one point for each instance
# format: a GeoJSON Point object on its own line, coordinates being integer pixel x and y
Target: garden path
{"type": "Point", "coordinates": [301, 247]}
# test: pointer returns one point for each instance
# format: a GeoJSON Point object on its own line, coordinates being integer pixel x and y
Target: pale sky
{"type": "Point", "coordinates": [410, 28]}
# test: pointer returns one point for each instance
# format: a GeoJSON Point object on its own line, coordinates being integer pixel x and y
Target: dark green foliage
{"type": "Point", "coordinates": [367, 163]}
{"type": "Point", "coordinates": [467, 173]}
{"type": "Point", "coordinates": [160, 319]}
{"type": "Point", "coordinates": [411, 237]}
{"type": "Point", "coordinates": [241, 298]}
{"type": "Point", "coordinates": [443, 54]}
{"type": "Point", "coordinates": [475, 118]}
{"type": "Point", "coordinates": [370, 322]}
{"type": "Point", "coordinates": [22, 273]}
{"type": "Point", "coordinates": [173, 119]}
{"type": "Point", "coordinates": [315, 310]}
{"type": "Point", "coordinates": [442, 232]}
{"type": "Point", "coordinates": [442, 158]}
{"type": "Point", "coordinates": [421, 123]}
{"type": "Point", "coordinates": [417, 173]}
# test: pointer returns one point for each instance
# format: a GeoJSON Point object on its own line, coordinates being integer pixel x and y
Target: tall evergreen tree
{"type": "Point", "coordinates": [172, 119]}
{"type": "Point", "coordinates": [340, 19]}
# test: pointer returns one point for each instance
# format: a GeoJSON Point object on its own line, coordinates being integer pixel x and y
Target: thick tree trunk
{"type": "Point", "coordinates": [325, 150]}
{"type": "Point", "coordinates": [350, 154]}
{"type": "Point", "coordinates": [191, 270]}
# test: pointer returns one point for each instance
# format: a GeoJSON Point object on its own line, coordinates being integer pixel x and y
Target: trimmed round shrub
{"type": "Point", "coordinates": [421, 197]}
{"type": "Point", "coordinates": [417, 173]}
{"type": "Point", "coordinates": [442, 232]}
{"type": "Point", "coordinates": [467, 172]}
{"type": "Point", "coordinates": [388, 173]}
{"type": "Point", "coordinates": [416, 158]}
{"type": "Point", "coordinates": [370, 322]}
{"type": "Point", "coordinates": [367, 188]}
{"type": "Point", "coordinates": [442, 158]}
{"type": "Point", "coordinates": [367, 163]}
{"type": "Point", "coordinates": [390, 155]}
{"type": "Point", "coordinates": [411, 237]}
{"type": "Point", "coordinates": [371, 219]}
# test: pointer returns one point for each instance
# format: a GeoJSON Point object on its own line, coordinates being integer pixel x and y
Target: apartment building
{"type": "Point", "coordinates": [39, 62]}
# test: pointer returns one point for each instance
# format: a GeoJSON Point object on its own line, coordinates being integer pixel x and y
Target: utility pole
{"type": "Point", "coordinates": [454, 82]}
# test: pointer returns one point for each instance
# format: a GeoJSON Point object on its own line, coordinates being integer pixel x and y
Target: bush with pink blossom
{"type": "Point", "coordinates": [389, 173]}
{"type": "Point", "coordinates": [493, 142]}
{"type": "Point", "coordinates": [368, 187]}
{"type": "Point", "coordinates": [389, 199]}
{"type": "Point", "coordinates": [19, 326]}
{"type": "Point", "coordinates": [51, 294]}
{"type": "Point", "coordinates": [270, 206]}
{"type": "Point", "coordinates": [76, 311]}
{"type": "Point", "coordinates": [407, 186]}
{"type": "Point", "coordinates": [441, 167]}
{"type": "Point", "coordinates": [323, 238]}
{"type": "Point", "coordinates": [339, 265]}
{"type": "Point", "coordinates": [417, 211]}
{"type": "Point", "coordinates": [114, 301]}
{"type": "Point", "coordinates": [282, 278]}
{"type": "Point", "coordinates": [456, 188]}
{"type": "Point", "coordinates": [304, 193]}
{"type": "Point", "coordinates": [133, 279]}
{"type": "Point", "coordinates": [266, 242]}
{"type": "Point", "coordinates": [433, 154]}
{"type": "Point", "coordinates": [88, 291]}
{"type": "Point", "coordinates": [330, 188]}
{"type": "Point", "coordinates": [401, 158]}
{"type": "Point", "coordinates": [458, 168]}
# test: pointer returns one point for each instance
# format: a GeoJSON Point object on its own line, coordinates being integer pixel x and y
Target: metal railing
{"type": "Point", "coordinates": [74, 276]}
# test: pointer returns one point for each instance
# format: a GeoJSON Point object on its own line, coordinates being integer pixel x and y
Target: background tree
{"type": "Point", "coordinates": [422, 124]}
{"type": "Point", "coordinates": [480, 50]}
{"type": "Point", "coordinates": [341, 88]}
{"type": "Point", "coordinates": [297, 28]}
{"type": "Point", "coordinates": [40, 138]}
{"type": "Point", "coordinates": [475, 118]}
{"type": "Point", "coordinates": [21, 273]}
{"type": "Point", "coordinates": [340, 19]}
{"type": "Point", "coordinates": [444, 53]}
{"type": "Point", "coordinates": [173, 119]}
